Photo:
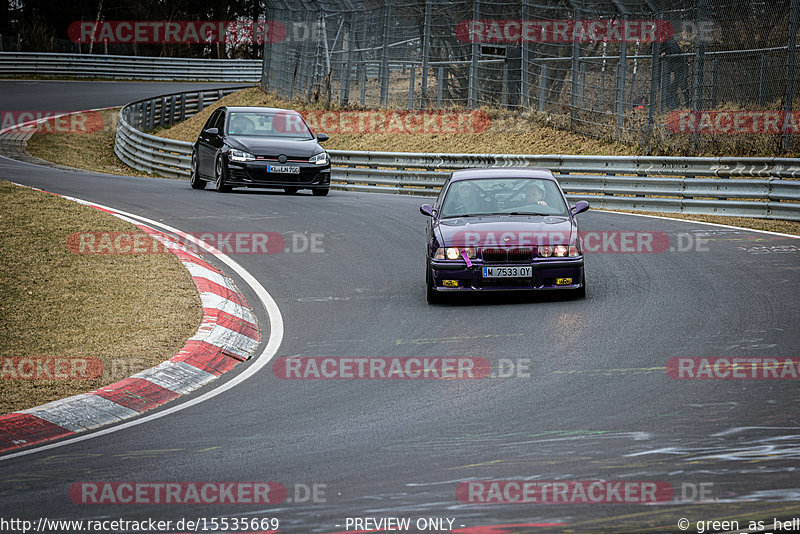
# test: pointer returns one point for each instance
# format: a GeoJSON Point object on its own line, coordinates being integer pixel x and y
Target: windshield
{"type": "Point", "coordinates": [522, 196]}
{"type": "Point", "coordinates": [283, 124]}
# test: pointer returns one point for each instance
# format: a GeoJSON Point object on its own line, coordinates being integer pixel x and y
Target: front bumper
{"type": "Point", "coordinates": [546, 273]}
{"type": "Point", "coordinates": [254, 174]}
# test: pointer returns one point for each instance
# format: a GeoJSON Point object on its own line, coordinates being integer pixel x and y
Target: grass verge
{"type": "Point", "coordinates": [89, 151]}
{"type": "Point", "coordinates": [129, 311]}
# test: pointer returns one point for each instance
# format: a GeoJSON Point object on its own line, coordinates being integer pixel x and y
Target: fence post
{"type": "Point", "coordinates": [655, 83]}
{"type": "Point", "coordinates": [542, 86]}
{"type": "Point", "coordinates": [473, 69]}
{"type": "Point", "coordinates": [265, 62]}
{"type": "Point", "coordinates": [440, 87]}
{"type": "Point", "coordinates": [345, 96]}
{"type": "Point", "coordinates": [573, 97]}
{"type": "Point", "coordinates": [622, 70]}
{"type": "Point", "coordinates": [524, 81]}
{"type": "Point", "coordinates": [387, 19]}
{"type": "Point", "coordinates": [790, 63]}
{"type": "Point", "coordinates": [411, 87]}
{"type": "Point", "coordinates": [426, 52]}
{"type": "Point", "coordinates": [697, 77]}
{"type": "Point", "coordinates": [582, 87]}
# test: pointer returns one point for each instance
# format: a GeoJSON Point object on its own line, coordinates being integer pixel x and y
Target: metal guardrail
{"type": "Point", "coordinates": [129, 67]}
{"type": "Point", "coordinates": [153, 154]}
{"type": "Point", "coordinates": [745, 187]}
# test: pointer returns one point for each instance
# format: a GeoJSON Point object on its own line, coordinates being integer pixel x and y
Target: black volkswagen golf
{"type": "Point", "coordinates": [260, 147]}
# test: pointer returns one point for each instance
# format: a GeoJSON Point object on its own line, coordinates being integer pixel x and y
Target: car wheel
{"type": "Point", "coordinates": [219, 175]}
{"type": "Point", "coordinates": [290, 190]}
{"type": "Point", "coordinates": [194, 176]}
{"type": "Point", "coordinates": [431, 295]}
{"type": "Point", "coordinates": [320, 192]}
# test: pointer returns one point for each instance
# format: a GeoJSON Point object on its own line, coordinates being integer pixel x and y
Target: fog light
{"type": "Point", "coordinates": [563, 281]}
{"type": "Point", "coordinates": [450, 283]}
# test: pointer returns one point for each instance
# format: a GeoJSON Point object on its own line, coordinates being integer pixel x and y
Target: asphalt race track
{"type": "Point", "coordinates": [595, 402]}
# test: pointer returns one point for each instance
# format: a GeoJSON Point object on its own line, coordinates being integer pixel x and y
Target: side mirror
{"type": "Point", "coordinates": [321, 137]}
{"type": "Point", "coordinates": [580, 207]}
{"type": "Point", "coordinates": [212, 131]}
{"type": "Point", "coordinates": [426, 209]}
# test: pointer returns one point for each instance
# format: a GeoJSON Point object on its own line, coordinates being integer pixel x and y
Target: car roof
{"type": "Point", "coordinates": [257, 109]}
{"type": "Point", "coordinates": [503, 172]}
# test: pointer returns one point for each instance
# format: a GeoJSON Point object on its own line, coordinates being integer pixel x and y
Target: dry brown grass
{"type": "Point", "coordinates": [130, 311]}
{"type": "Point", "coordinates": [89, 151]}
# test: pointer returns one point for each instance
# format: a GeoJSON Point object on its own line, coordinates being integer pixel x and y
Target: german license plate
{"type": "Point", "coordinates": [507, 271]}
{"type": "Point", "coordinates": [285, 169]}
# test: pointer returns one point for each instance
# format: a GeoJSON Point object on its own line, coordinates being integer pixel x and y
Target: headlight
{"type": "Point", "coordinates": [560, 251]}
{"type": "Point", "coordinates": [454, 253]}
{"type": "Point", "coordinates": [239, 155]}
{"type": "Point", "coordinates": [545, 251]}
{"type": "Point", "coordinates": [319, 159]}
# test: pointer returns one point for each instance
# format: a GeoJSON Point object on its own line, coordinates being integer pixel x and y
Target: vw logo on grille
{"type": "Point", "coordinates": [282, 158]}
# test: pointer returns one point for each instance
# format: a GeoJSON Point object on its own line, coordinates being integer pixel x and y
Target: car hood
{"type": "Point", "coordinates": [272, 146]}
{"type": "Point", "coordinates": [507, 230]}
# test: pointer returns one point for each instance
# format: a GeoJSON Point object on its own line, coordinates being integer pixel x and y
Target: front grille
{"type": "Point", "coordinates": [524, 254]}
{"type": "Point", "coordinates": [509, 254]}
{"type": "Point", "coordinates": [493, 254]}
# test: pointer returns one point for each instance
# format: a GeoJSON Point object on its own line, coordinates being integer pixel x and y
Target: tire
{"type": "Point", "coordinates": [219, 176]}
{"type": "Point", "coordinates": [320, 192]}
{"type": "Point", "coordinates": [290, 190]}
{"type": "Point", "coordinates": [431, 295]}
{"type": "Point", "coordinates": [194, 176]}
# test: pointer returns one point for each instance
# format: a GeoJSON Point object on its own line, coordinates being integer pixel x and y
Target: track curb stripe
{"type": "Point", "coordinates": [228, 334]}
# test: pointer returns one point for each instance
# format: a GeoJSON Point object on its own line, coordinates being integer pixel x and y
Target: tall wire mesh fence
{"type": "Point", "coordinates": [675, 74]}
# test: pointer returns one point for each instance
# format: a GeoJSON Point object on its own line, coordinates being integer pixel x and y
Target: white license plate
{"type": "Point", "coordinates": [507, 271]}
{"type": "Point", "coordinates": [285, 169]}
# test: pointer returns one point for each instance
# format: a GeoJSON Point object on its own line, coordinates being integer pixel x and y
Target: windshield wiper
{"type": "Point", "coordinates": [526, 213]}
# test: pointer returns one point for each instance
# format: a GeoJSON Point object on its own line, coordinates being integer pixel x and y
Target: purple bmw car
{"type": "Point", "coordinates": [507, 229]}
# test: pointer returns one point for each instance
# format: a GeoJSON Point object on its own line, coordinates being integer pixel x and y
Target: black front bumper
{"type": "Point", "coordinates": [254, 174]}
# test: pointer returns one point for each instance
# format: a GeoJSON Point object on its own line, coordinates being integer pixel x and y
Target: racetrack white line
{"type": "Point", "coordinates": [702, 222]}
{"type": "Point", "coordinates": [275, 339]}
